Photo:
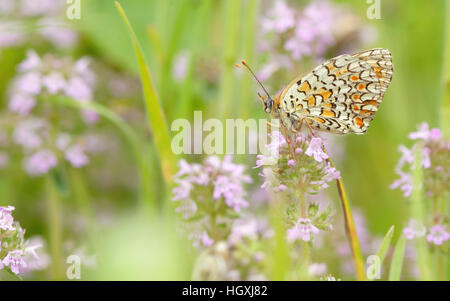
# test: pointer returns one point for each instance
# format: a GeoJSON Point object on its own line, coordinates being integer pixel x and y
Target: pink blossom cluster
{"type": "Point", "coordinates": [309, 158]}
{"type": "Point", "coordinates": [290, 34]}
{"type": "Point", "coordinates": [435, 159]}
{"type": "Point", "coordinates": [51, 75]}
{"type": "Point", "coordinates": [42, 150]}
{"type": "Point", "coordinates": [437, 234]}
{"type": "Point", "coordinates": [15, 252]}
{"type": "Point", "coordinates": [48, 15]}
{"type": "Point", "coordinates": [225, 178]}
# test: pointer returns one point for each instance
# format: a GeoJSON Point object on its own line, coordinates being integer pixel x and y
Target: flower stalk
{"type": "Point", "coordinates": [445, 117]}
{"type": "Point", "coordinates": [350, 229]}
{"type": "Point", "coordinates": [54, 227]}
{"type": "Point", "coordinates": [418, 213]}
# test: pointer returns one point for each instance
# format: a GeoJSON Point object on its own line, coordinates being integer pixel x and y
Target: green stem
{"type": "Point", "coordinates": [445, 112]}
{"type": "Point", "coordinates": [350, 229]}
{"type": "Point", "coordinates": [231, 33]}
{"type": "Point", "coordinates": [83, 199]}
{"type": "Point", "coordinates": [54, 228]}
{"type": "Point", "coordinates": [251, 14]}
{"type": "Point", "coordinates": [418, 214]}
{"type": "Point", "coordinates": [281, 258]}
{"type": "Point", "coordinates": [181, 13]}
{"type": "Point", "coordinates": [199, 32]}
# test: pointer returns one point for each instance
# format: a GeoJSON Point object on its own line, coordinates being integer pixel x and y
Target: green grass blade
{"type": "Point", "coordinates": [381, 253]}
{"type": "Point", "coordinates": [155, 114]}
{"type": "Point", "coordinates": [419, 213]}
{"type": "Point", "coordinates": [232, 8]}
{"type": "Point", "coordinates": [445, 112]}
{"type": "Point", "coordinates": [397, 260]}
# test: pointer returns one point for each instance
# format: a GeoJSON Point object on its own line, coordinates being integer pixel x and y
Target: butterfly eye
{"type": "Point", "coordinates": [268, 106]}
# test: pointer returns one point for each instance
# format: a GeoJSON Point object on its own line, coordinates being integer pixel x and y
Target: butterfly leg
{"type": "Point", "coordinates": [299, 127]}
{"type": "Point", "coordinates": [269, 124]}
{"type": "Point", "coordinates": [310, 128]}
{"type": "Point", "coordinates": [288, 140]}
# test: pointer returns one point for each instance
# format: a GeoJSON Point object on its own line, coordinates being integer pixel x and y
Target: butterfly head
{"type": "Point", "coordinates": [268, 105]}
{"type": "Point", "coordinates": [269, 102]}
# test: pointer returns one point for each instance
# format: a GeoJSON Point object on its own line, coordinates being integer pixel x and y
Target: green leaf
{"type": "Point", "coordinates": [155, 114]}
{"type": "Point", "coordinates": [397, 260]}
{"type": "Point", "coordinates": [385, 244]}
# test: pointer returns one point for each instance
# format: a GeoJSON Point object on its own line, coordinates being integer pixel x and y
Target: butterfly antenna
{"type": "Point", "coordinates": [254, 76]}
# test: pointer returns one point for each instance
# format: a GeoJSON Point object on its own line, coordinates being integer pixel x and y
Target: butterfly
{"type": "Point", "coordinates": [339, 96]}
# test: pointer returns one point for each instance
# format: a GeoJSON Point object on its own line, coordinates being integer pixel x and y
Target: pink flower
{"type": "Point", "coordinates": [63, 141]}
{"type": "Point", "coordinates": [407, 156]}
{"type": "Point", "coordinates": [435, 134]}
{"type": "Point", "coordinates": [414, 229]}
{"type": "Point", "coordinates": [282, 187]}
{"type": "Point", "coordinates": [315, 149]}
{"type": "Point", "coordinates": [426, 157]}
{"type": "Point", "coordinates": [331, 173]}
{"type": "Point", "coordinates": [206, 240]}
{"type": "Point", "coordinates": [280, 18]}
{"type": "Point", "coordinates": [313, 31]}
{"type": "Point", "coordinates": [10, 34]}
{"type": "Point", "coordinates": [40, 8]}
{"type": "Point", "coordinates": [317, 269]}
{"type": "Point", "coordinates": [32, 62]}
{"type": "Point", "coordinates": [90, 116]}
{"type": "Point", "coordinates": [405, 183]}
{"type": "Point", "coordinates": [29, 132]}
{"type": "Point", "coordinates": [40, 163]}
{"type": "Point", "coordinates": [408, 233]}
{"type": "Point", "coordinates": [54, 82]}
{"type": "Point", "coordinates": [291, 162]}
{"type": "Point", "coordinates": [302, 230]}
{"type": "Point", "coordinates": [76, 156]}
{"type": "Point", "coordinates": [6, 6]}
{"type": "Point", "coordinates": [180, 66]}
{"type": "Point", "coordinates": [6, 219]}
{"type": "Point", "coordinates": [225, 177]}
{"type": "Point", "coordinates": [15, 261]}
{"type": "Point", "coordinates": [438, 235]}
{"type": "Point", "coordinates": [78, 89]}
{"type": "Point", "coordinates": [21, 104]}
{"type": "Point", "coordinates": [425, 134]}
{"type": "Point", "coordinates": [58, 33]}
{"type": "Point", "coordinates": [29, 83]}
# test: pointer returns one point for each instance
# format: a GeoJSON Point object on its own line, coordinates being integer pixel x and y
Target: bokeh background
{"type": "Point", "coordinates": [191, 47]}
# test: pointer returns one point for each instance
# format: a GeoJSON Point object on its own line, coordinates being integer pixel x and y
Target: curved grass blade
{"type": "Point", "coordinates": [397, 260]}
{"type": "Point", "coordinates": [155, 113]}
{"type": "Point", "coordinates": [129, 134]}
{"type": "Point", "coordinates": [381, 253]}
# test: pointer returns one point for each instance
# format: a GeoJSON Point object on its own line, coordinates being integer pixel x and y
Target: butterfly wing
{"type": "Point", "coordinates": [341, 95]}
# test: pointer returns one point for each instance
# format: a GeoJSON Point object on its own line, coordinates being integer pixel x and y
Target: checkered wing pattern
{"type": "Point", "coordinates": [341, 95]}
